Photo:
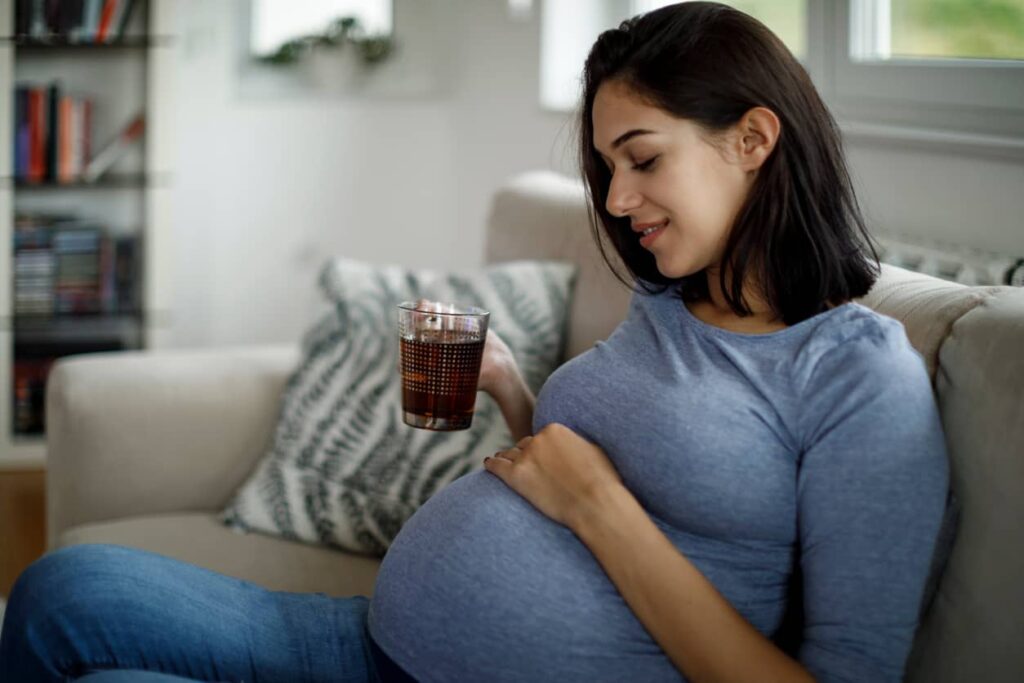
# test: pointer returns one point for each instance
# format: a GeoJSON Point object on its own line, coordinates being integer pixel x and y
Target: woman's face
{"type": "Point", "coordinates": [666, 176]}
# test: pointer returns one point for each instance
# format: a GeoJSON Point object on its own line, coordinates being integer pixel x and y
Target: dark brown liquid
{"type": "Point", "coordinates": [439, 379]}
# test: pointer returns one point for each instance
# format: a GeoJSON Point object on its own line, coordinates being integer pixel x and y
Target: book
{"type": "Point", "coordinates": [51, 137]}
{"type": "Point", "coordinates": [127, 284]}
{"type": "Point", "coordinates": [36, 135]}
{"type": "Point", "coordinates": [90, 20]}
{"type": "Point", "coordinates": [84, 150]}
{"type": "Point", "coordinates": [51, 15]}
{"type": "Point", "coordinates": [30, 376]}
{"type": "Point", "coordinates": [76, 142]}
{"type": "Point", "coordinates": [74, 21]}
{"type": "Point", "coordinates": [65, 149]}
{"type": "Point", "coordinates": [65, 265]}
{"type": "Point", "coordinates": [114, 150]}
{"type": "Point", "coordinates": [37, 20]}
{"type": "Point", "coordinates": [52, 134]}
{"type": "Point", "coordinates": [106, 20]}
{"type": "Point", "coordinates": [21, 134]}
{"type": "Point", "coordinates": [69, 20]}
{"type": "Point", "coordinates": [22, 17]}
{"type": "Point", "coordinates": [126, 15]}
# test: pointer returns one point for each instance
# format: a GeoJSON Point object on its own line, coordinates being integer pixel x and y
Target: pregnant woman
{"type": "Point", "coordinates": [749, 443]}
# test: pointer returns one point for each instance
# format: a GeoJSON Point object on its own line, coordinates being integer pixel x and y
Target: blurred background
{"type": "Point", "coordinates": [175, 172]}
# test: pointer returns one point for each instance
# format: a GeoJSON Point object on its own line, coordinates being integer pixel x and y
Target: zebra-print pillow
{"type": "Point", "coordinates": [342, 468]}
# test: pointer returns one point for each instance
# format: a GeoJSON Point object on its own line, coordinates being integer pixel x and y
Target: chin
{"type": "Point", "coordinates": [676, 271]}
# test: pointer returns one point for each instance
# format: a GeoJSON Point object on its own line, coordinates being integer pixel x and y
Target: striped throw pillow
{"type": "Point", "coordinates": [342, 468]}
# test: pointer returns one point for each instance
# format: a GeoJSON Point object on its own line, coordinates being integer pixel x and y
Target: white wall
{"type": "Point", "coordinates": [267, 188]}
{"type": "Point", "coordinates": [954, 198]}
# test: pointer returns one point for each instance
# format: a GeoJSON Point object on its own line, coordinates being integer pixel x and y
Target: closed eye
{"type": "Point", "coordinates": [645, 165]}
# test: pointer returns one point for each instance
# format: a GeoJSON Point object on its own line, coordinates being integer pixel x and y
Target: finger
{"type": "Point", "coordinates": [511, 454]}
{"type": "Point", "coordinates": [500, 467]}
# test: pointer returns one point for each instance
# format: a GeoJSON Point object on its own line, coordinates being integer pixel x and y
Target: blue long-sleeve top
{"type": "Point", "coordinates": [817, 447]}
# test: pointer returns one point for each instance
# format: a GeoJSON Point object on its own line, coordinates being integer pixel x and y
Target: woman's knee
{"type": "Point", "coordinates": [72, 579]}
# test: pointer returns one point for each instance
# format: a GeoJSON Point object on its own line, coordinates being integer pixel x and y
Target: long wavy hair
{"type": "Point", "coordinates": [800, 232]}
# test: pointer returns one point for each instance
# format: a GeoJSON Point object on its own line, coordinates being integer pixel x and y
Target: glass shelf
{"type": "Point", "coordinates": [59, 329]}
{"type": "Point", "coordinates": [106, 182]}
{"type": "Point", "coordinates": [62, 44]}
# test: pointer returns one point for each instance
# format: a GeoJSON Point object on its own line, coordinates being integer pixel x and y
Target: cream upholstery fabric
{"type": "Point", "coordinates": [975, 630]}
{"type": "Point", "coordinates": [543, 213]}
{"type": "Point", "coordinates": [925, 305]}
{"type": "Point", "coordinates": [141, 433]}
{"type": "Point", "coordinates": [201, 538]}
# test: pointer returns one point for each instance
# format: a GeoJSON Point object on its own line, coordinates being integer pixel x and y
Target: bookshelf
{"type": "Point", "coordinates": [128, 205]}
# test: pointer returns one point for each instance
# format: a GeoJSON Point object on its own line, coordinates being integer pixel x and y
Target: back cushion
{"type": "Point", "coordinates": [975, 627]}
{"type": "Point", "coordinates": [543, 215]}
{"type": "Point", "coordinates": [925, 305]}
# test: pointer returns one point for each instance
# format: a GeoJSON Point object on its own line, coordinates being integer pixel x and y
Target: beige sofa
{"type": "Point", "coordinates": [145, 448]}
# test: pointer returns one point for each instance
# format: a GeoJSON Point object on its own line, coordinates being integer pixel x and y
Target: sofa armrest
{"type": "Point", "coordinates": [150, 432]}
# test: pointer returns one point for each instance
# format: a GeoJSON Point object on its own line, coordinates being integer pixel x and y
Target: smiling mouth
{"type": "Point", "coordinates": [648, 235]}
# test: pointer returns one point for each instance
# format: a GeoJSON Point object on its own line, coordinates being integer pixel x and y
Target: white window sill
{"type": "Point", "coordinates": [932, 140]}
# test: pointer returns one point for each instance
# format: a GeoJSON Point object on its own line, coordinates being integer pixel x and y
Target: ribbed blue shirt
{"type": "Point", "coordinates": [817, 447]}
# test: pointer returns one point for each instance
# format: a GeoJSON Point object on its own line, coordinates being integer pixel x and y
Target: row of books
{"type": "Point", "coordinates": [52, 134]}
{"type": "Point", "coordinates": [74, 21]}
{"type": "Point", "coordinates": [53, 137]}
{"type": "Point", "coordinates": [66, 266]}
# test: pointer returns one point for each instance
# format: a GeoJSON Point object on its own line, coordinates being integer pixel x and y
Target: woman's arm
{"type": "Point", "coordinates": [703, 635]}
{"type": "Point", "coordinates": [500, 377]}
{"type": "Point", "coordinates": [572, 481]}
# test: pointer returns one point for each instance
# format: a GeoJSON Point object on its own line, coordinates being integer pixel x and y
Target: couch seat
{"type": "Point", "coordinates": [200, 538]}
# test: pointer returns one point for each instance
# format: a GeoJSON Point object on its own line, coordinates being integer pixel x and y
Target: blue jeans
{"type": "Point", "coordinates": [91, 608]}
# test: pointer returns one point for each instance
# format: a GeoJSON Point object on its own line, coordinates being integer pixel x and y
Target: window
{"type": "Point", "coordinates": [786, 18]}
{"type": "Point", "coordinates": [938, 70]}
{"type": "Point", "coordinates": [275, 22]}
{"type": "Point", "coordinates": [937, 65]}
{"type": "Point", "coordinates": [568, 30]}
{"type": "Point", "coordinates": [938, 29]}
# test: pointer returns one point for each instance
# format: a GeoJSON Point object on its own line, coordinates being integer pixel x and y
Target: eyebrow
{"type": "Point", "coordinates": [626, 137]}
{"type": "Point", "coordinates": [629, 135]}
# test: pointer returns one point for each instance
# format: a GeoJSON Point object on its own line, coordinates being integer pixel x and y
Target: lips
{"type": "Point", "coordinates": [648, 239]}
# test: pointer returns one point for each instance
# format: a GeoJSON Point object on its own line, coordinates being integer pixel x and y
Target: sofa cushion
{"type": "Point", "coordinates": [975, 627]}
{"type": "Point", "coordinates": [201, 539]}
{"type": "Point", "coordinates": [545, 213]}
{"type": "Point", "coordinates": [927, 307]}
{"type": "Point", "coordinates": [342, 468]}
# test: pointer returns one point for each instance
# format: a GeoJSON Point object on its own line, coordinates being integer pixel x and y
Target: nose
{"type": "Point", "coordinates": [622, 196]}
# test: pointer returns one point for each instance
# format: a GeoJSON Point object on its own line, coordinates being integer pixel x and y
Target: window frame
{"type": "Point", "coordinates": [974, 98]}
{"type": "Point", "coordinates": [962, 106]}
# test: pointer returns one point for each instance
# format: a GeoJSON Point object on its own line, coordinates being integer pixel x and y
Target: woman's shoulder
{"type": "Point", "coordinates": [865, 373]}
{"type": "Point", "coordinates": [852, 326]}
{"type": "Point", "coordinates": [856, 340]}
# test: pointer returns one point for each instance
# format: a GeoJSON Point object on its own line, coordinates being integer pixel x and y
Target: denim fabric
{"type": "Point", "coordinates": [89, 608]}
{"type": "Point", "coordinates": [131, 676]}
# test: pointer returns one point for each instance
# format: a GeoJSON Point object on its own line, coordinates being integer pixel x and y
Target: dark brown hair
{"type": "Point", "coordinates": [800, 229]}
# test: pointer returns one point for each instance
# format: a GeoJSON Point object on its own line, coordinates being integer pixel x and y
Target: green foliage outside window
{"type": "Point", "coordinates": [983, 29]}
{"type": "Point", "coordinates": [786, 18]}
{"type": "Point", "coordinates": [986, 29]}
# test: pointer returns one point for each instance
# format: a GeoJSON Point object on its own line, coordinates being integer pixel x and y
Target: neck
{"type": "Point", "coordinates": [760, 310]}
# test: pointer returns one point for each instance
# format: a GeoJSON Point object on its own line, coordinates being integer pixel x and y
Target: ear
{"type": "Point", "coordinates": [755, 136]}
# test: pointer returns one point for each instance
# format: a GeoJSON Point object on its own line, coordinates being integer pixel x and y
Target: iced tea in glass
{"type": "Point", "coordinates": [441, 346]}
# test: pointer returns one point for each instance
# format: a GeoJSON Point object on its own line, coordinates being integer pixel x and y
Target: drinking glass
{"type": "Point", "coordinates": [441, 346]}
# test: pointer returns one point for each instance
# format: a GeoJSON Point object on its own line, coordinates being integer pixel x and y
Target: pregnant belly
{"type": "Point", "coordinates": [479, 585]}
